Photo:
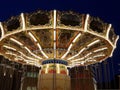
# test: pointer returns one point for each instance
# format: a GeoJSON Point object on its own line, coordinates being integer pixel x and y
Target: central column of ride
{"type": "Point", "coordinates": [54, 75]}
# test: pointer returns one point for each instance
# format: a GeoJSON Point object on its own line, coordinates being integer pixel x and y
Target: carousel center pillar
{"type": "Point", "coordinates": [54, 76]}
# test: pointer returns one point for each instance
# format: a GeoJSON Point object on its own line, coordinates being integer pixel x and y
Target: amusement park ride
{"type": "Point", "coordinates": [56, 41]}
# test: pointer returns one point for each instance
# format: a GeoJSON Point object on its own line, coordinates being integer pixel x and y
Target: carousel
{"type": "Point", "coordinates": [56, 41]}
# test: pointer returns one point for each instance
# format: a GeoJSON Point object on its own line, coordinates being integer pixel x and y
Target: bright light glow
{"type": "Point", "coordinates": [67, 51]}
{"type": "Point", "coordinates": [79, 59]}
{"type": "Point", "coordinates": [46, 71]}
{"type": "Point", "coordinates": [77, 54]}
{"type": "Point", "coordinates": [101, 37]}
{"type": "Point", "coordinates": [2, 30]}
{"type": "Point", "coordinates": [54, 19]}
{"type": "Point", "coordinates": [14, 40]}
{"type": "Point", "coordinates": [69, 48]}
{"type": "Point", "coordinates": [54, 43]}
{"type": "Point", "coordinates": [114, 46]}
{"type": "Point", "coordinates": [8, 47]}
{"type": "Point", "coordinates": [116, 41]}
{"type": "Point", "coordinates": [10, 53]}
{"type": "Point", "coordinates": [54, 53]}
{"type": "Point", "coordinates": [44, 54]}
{"type": "Point", "coordinates": [40, 48]}
{"type": "Point", "coordinates": [27, 49]}
{"type": "Point", "coordinates": [54, 49]}
{"type": "Point", "coordinates": [88, 54]}
{"type": "Point", "coordinates": [101, 49]}
{"type": "Point", "coordinates": [86, 22]}
{"type": "Point", "coordinates": [112, 52]}
{"type": "Point", "coordinates": [78, 63]}
{"type": "Point", "coordinates": [30, 62]}
{"type": "Point", "coordinates": [32, 53]}
{"type": "Point", "coordinates": [38, 65]}
{"type": "Point", "coordinates": [91, 60]}
{"type": "Point", "coordinates": [64, 55]}
{"type": "Point", "coordinates": [58, 68]}
{"type": "Point", "coordinates": [21, 57]}
{"type": "Point", "coordinates": [81, 50]}
{"type": "Point", "coordinates": [93, 43]}
{"type": "Point", "coordinates": [33, 63]}
{"type": "Point", "coordinates": [67, 70]}
{"type": "Point", "coordinates": [82, 62]}
{"type": "Point", "coordinates": [108, 30]}
{"type": "Point", "coordinates": [27, 56]}
{"type": "Point", "coordinates": [54, 35]}
{"type": "Point", "coordinates": [23, 21]}
{"type": "Point", "coordinates": [4, 73]}
{"type": "Point", "coordinates": [76, 37]}
{"type": "Point", "coordinates": [32, 36]}
{"type": "Point", "coordinates": [99, 55]}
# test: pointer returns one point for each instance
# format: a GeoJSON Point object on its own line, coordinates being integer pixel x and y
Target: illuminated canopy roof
{"type": "Point", "coordinates": [76, 38]}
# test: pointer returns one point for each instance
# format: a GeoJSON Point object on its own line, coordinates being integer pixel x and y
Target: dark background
{"type": "Point", "coordinates": [107, 10]}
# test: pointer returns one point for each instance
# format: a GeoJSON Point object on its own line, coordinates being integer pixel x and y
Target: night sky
{"type": "Point", "coordinates": [107, 10]}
